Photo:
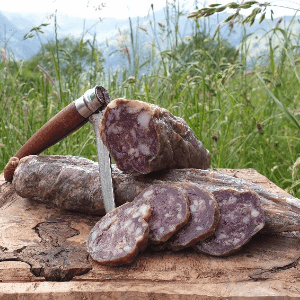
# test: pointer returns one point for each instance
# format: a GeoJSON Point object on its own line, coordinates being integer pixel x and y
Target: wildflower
{"type": "Point", "coordinates": [131, 79]}
{"type": "Point", "coordinates": [278, 23]}
{"type": "Point", "coordinates": [214, 138]}
{"type": "Point", "coordinates": [274, 168]}
{"type": "Point", "coordinates": [4, 55]}
{"type": "Point", "coordinates": [188, 38]}
{"type": "Point", "coordinates": [206, 95]}
{"type": "Point", "coordinates": [26, 110]}
{"type": "Point", "coordinates": [47, 75]}
{"type": "Point", "coordinates": [296, 163]}
{"type": "Point", "coordinates": [275, 74]}
{"type": "Point", "coordinates": [1, 145]}
{"type": "Point", "coordinates": [143, 28]}
{"type": "Point", "coordinates": [125, 49]}
{"type": "Point", "coordinates": [99, 7]}
{"type": "Point", "coordinates": [259, 128]}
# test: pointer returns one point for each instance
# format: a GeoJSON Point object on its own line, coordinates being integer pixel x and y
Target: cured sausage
{"type": "Point", "coordinates": [204, 217]}
{"type": "Point", "coordinates": [120, 234]}
{"type": "Point", "coordinates": [143, 138]}
{"type": "Point", "coordinates": [241, 217]}
{"type": "Point", "coordinates": [69, 182]}
{"type": "Point", "coordinates": [281, 213]}
{"type": "Point", "coordinates": [170, 210]}
{"type": "Point", "coordinates": [72, 183]}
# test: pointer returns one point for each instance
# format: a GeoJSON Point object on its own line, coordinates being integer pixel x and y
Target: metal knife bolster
{"type": "Point", "coordinates": [93, 100]}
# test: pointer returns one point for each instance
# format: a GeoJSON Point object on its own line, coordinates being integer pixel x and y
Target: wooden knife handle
{"type": "Point", "coordinates": [58, 127]}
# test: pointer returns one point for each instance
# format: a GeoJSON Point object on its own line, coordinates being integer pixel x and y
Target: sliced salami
{"type": "Point", "coordinates": [204, 217]}
{"type": "Point", "coordinates": [72, 183]}
{"type": "Point", "coordinates": [241, 218]}
{"type": "Point", "coordinates": [120, 234]}
{"type": "Point", "coordinates": [143, 137]}
{"type": "Point", "coordinates": [170, 210]}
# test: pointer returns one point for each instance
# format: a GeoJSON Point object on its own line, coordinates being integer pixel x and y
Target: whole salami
{"type": "Point", "coordinates": [72, 183]}
{"type": "Point", "coordinates": [143, 137]}
{"type": "Point", "coordinates": [68, 182]}
{"type": "Point", "coordinates": [120, 234]}
{"type": "Point", "coordinates": [204, 217]}
{"type": "Point", "coordinates": [241, 217]}
{"type": "Point", "coordinates": [170, 210]}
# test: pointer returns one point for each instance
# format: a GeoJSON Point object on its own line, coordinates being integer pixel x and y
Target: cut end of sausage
{"type": "Point", "coordinates": [120, 234]}
{"type": "Point", "coordinates": [241, 217]}
{"type": "Point", "coordinates": [170, 210]}
{"type": "Point", "coordinates": [127, 130]}
{"type": "Point", "coordinates": [204, 217]}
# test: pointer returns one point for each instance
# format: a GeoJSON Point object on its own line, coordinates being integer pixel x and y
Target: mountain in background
{"type": "Point", "coordinates": [14, 26]}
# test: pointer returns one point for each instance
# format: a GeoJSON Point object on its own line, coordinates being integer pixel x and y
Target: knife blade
{"type": "Point", "coordinates": [104, 165]}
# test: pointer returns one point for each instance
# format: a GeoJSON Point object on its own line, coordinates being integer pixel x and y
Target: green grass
{"type": "Point", "coordinates": [245, 119]}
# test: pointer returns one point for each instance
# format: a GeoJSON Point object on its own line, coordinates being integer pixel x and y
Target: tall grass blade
{"type": "Point", "coordinates": [286, 112]}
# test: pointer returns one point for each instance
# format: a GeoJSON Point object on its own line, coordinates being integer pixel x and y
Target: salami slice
{"type": "Point", "coordinates": [170, 210]}
{"type": "Point", "coordinates": [118, 236]}
{"type": "Point", "coordinates": [144, 137]}
{"type": "Point", "coordinates": [203, 219]}
{"type": "Point", "coordinates": [241, 218]}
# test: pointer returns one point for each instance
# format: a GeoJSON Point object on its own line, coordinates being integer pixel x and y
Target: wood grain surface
{"type": "Point", "coordinates": [43, 256]}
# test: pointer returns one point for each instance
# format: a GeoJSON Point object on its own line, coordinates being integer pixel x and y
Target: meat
{"type": "Point", "coordinates": [72, 183]}
{"type": "Point", "coordinates": [120, 234]}
{"type": "Point", "coordinates": [170, 210]}
{"type": "Point", "coordinates": [143, 138]}
{"type": "Point", "coordinates": [241, 217]}
{"type": "Point", "coordinates": [204, 217]}
{"type": "Point", "coordinates": [69, 182]}
{"type": "Point", "coordinates": [281, 213]}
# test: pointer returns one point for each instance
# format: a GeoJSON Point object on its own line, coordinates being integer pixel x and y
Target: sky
{"type": "Point", "coordinates": [120, 9]}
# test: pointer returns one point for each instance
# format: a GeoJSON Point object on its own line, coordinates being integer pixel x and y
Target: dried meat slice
{"type": "Point", "coordinates": [203, 219]}
{"type": "Point", "coordinates": [241, 217]}
{"type": "Point", "coordinates": [143, 137]}
{"type": "Point", "coordinates": [170, 210]}
{"type": "Point", "coordinates": [120, 234]}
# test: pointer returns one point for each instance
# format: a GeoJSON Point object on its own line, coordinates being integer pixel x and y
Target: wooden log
{"type": "Point", "coordinates": [40, 245]}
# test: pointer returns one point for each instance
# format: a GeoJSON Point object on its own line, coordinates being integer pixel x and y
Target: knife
{"type": "Point", "coordinates": [68, 120]}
